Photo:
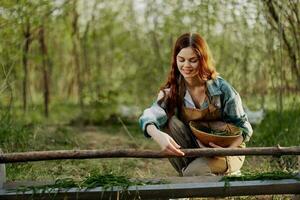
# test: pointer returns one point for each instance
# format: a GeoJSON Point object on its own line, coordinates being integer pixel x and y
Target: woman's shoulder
{"type": "Point", "coordinates": [225, 86]}
{"type": "Point", "coordinates": [219, 86]}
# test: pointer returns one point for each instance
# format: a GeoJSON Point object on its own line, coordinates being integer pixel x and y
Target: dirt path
{"type": "Point", "coordinates": [95, 138]}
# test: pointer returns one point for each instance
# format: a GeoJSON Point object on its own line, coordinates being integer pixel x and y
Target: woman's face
{"type": "Point", "coordinates": [187, 62]}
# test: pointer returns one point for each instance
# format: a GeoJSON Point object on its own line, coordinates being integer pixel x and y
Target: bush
{"type": "Point", "coordinates": [13, 136]}
{"type": "Point", "coordinates": [278, 128]}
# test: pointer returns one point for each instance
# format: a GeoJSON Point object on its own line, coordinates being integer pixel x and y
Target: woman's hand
{"type": "Point", "coordinates": [213, 145]}
{"type": "Point", "coordinates": [237, 142]}
{"type": "Point", "coordinates": [166, 142]}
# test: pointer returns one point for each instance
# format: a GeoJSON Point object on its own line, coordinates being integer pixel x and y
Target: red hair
{"type": "Point", "coordinates": [175, 81]}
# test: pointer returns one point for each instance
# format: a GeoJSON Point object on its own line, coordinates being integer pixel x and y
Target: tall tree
{"type": "Point", "coordinates": [284, 16]}
{"type": "Point", "coordinates": [46, 69]}
{"type": "Point", "coordinates": [25, 50]}
{"type": "Point", "coordinates": [76, 52]}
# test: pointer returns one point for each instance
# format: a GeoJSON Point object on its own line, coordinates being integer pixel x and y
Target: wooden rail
{"type": "Point", "coordinates": [130, 153]}
{"type": "Point", "coordinates": [191, 187]}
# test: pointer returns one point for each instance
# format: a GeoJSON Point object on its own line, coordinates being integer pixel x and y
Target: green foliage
{"type": "Point", "coordinates": [124, 47]}
{"type": "Point", "coordinates": [61, 138]}
{"type": "Point", "coordinates": [61, 114]}
{"type": "Point", "coordinates": [274, 175]}
{"type": "Point", "coordinates": [107, 181]}
{"type": "Point", "coordinates": [96, 114]}
{"type": "Point", "coordinates": [13, 136]}
{"type": "Point", "coordinates": [278, 128]}
{"type": "Point", "coordinates": [95, 179]}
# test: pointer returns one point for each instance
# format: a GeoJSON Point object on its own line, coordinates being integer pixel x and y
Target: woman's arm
{"type": "Point", "coordinates": [155, 115]}
{"type": "Point", "coordinates": [152, 120]}
{"type": "Point", "coordinates": [165, 141]}
{"type": "Point", "coordinates": [233, 112]}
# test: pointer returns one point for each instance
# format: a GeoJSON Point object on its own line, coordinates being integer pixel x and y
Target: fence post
{"type": "Point", "coordinates": [297, 196]}
{"type": "Point", "coordinates": [2, 173]}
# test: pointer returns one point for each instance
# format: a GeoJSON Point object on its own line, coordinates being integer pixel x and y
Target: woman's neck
{"type": "Point", "coordinates": [194, 82]}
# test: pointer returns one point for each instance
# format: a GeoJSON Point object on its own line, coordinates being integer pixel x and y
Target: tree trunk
{"type": "Point", "coordinates": [290, 50]}
{"type": "Point", "coordinates": [156, 48]}
{"type": "Point", "coordinates": [27, 41]}
{"type": "Point", "coordinates": [85, 50]}
{"type": "Point", "coordinates": [76, 54]}
{"type": "Point", "coordinates": [46, 68]}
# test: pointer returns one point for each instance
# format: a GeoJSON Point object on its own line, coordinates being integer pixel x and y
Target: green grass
{"type": "Point", "coordinates": [273, 175]}
{"type": "Point", "coordinates": [278, 128]}
{"type": "Point", "coordinates": [13, 136]}
{"type": "Point", "coordinates": [272, 101]}
{"type": "Point", "coordinates": [59, 113]}
{"type": "Point", "coordinates": [107, 181]}
{"type": "Point", "coordinates": [40, 137]}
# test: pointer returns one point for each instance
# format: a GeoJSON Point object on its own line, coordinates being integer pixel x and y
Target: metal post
{"type": "Point", "coordinates": [2, 173]}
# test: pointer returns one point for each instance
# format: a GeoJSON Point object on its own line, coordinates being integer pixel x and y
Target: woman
{"type": "Point", "coordinates": [194, 91]}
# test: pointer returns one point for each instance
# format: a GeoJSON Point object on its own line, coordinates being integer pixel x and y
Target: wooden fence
{"type": "Point", "coordinates": [177, 187]}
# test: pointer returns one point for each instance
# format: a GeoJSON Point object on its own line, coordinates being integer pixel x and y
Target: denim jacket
{"type": "Point", "coordinates": [224, 96]}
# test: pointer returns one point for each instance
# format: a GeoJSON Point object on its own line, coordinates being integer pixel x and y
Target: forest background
{"type": "Point", "coordinates": [76, 74]}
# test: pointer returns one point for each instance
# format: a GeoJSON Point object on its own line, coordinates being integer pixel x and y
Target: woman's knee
{"type": "Point", "coordinates": [198, 167]}
{"type": "Point", "coordinates": [218, 164]}
{"type": "Point", "coordinates": [234, 163]}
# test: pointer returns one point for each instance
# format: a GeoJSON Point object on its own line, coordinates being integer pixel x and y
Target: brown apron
{"type": "Point", "coordinates": [211, 116]}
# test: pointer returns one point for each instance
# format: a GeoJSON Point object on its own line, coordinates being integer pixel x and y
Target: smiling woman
{"type": "Point", "coordinates": [187, 62]}
{"type": "Point", "coordinates": [195, 96]}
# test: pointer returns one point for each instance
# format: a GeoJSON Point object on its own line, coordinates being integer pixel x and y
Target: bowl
{"type": "Point", "coordinates": [202, 132]}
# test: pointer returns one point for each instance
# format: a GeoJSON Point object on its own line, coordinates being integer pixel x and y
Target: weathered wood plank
{"type": "Point", "coordinates": [2, 173]}
{"type": "Point", "coordinates": [133, 153]}
{"type": "Point", "coordinates": [177, 190]}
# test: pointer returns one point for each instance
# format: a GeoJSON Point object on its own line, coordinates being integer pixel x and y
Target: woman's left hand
{"type": "Point", "coordinates": [235, 143]}
{"type": "Point", "coordinates": [213, 145]}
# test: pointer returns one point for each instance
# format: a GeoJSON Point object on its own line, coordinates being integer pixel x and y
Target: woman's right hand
{"type": "Point", "coordinates": [166, 142]}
